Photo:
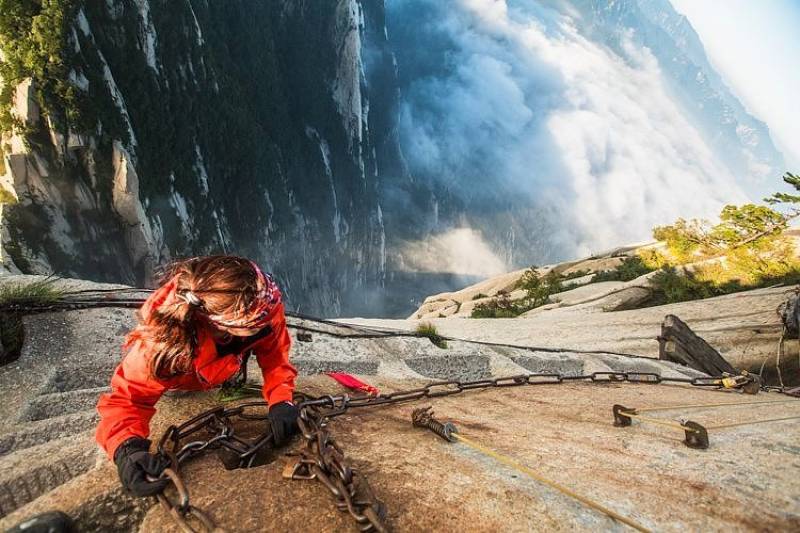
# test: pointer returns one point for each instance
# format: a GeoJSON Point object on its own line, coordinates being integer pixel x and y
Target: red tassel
{"type": "Point", "coordinates": [353, 383]}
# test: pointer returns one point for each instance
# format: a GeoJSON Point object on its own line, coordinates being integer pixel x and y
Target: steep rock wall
{"type": "Point", "coordinates": [202, 127]}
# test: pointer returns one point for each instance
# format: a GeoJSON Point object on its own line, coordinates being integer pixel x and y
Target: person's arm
{"type": "Point", "coordinates": [126, 411]}
{"type": "Point", "coordinates": [272, 355]}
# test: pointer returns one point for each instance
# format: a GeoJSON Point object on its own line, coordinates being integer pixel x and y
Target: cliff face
{"type": "Point", "coordinates": [195, 127]}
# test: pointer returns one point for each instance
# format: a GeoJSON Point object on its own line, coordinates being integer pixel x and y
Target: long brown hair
{"type": "Point", "coordinates": [217, 284]}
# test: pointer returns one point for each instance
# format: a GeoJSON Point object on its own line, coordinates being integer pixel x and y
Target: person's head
{"type": "Point", "coordinates": [224, 293]}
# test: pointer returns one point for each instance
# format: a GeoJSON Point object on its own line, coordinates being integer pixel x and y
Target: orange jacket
{"type": "Point", "coordinates": [126, 411]}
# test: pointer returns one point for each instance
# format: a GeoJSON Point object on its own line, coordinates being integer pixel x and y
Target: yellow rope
{"type": "Point", "coordinates": [524, 469]}
{"type": "Point", "coordinates": [678, 425]}
{"type": "Point", "coordinates": [701, 405]}
{"type": "Point", "coordinates": [658, 421]}
{"type": "Point", "coordinates": [736, 424]}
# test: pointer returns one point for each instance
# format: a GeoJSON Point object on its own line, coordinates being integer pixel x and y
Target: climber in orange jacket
{"type": "Point", "coordinates": [193, 334]}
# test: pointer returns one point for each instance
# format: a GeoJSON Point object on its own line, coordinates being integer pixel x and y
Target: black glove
{"type": "Point", "coordinates": [283, 419]}
{"type": "Point", "coordinates": [135, 463]}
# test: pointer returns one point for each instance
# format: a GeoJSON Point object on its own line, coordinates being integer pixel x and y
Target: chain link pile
{"type": "Point", "coordinates": [323, 459]}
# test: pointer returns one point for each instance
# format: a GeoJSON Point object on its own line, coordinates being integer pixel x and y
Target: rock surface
{"type": "Point", "coordinates": [643, 472]}
{"type": "Point", "coordinates": [743, 327]}
{"type": "Point", "coordinates": [49, 460]}
{"type": "Point", "coordinates": [564, 433]}
{"type": "Point", "coordinates": [194, 131]}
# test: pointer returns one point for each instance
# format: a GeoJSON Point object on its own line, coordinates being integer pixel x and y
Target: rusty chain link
{"type": "Point", "coordinates": [183, 511]}
{"type": "Point", "coordinates": [323, 459]}
{"type": "Point", "coordinates": [233, 450]}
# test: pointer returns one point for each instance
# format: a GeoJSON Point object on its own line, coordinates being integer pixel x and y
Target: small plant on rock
{"type": "Point", "coordinates": [630, 269]}
{"type": "Point", "coordinates": [12, 330]}
{"type": "Point", "coordinates": [575, 275]}
{"type": "Point", "coordinates": [426, 329]}
{"type": "Point", "coordinates": [37, 292]}
{"type": "Point", "coordinates": [499, 307]}
{"type": "Point", "coordinates": [538, 289]}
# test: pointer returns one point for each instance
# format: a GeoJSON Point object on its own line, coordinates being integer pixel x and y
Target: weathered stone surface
{"type": "Point", "coordinates": [61, 403]}
{"type": "Point", "coordinates": [63, 351]}
{"type": "Point", "coordinates": [141, 243]}
{"type": "Point", "coordinates": [29, 473]}
{"type": "Point", "coordinates": [564, 432]}
{"type": "Point", "coordinates": [41, 431]}
{"type": "Point", "coordinates": [75, 378]}
{"type": "Point", "coordinates": [308, 367]}
{"type": "Point", "coordinates": [744, 327]}
{"type": "Point", "coordinates": [627, 298]}
{"type": "Point", "coordinates": [593, 265]}
{"type": "Point", "coordinates": [557, 365]}
{"type": "Point", "coordinates": [25, 108]}
{"type": "Point", "coordinates": [451, 367]}
{"type": "Point", "coordinates": [95, 501]}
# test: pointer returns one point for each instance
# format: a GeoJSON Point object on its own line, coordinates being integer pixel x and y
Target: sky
{"type": "Point", "coordinates": [755, 46]}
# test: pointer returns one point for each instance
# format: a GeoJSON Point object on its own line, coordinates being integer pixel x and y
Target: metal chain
{"type": "Point", "coordinates": [183, 511]}
{"type": "Point", "coordinates": [234, 451]}
{"type": "Point", "coordinates": [746, 382]}
{"type": "Point", "coordinates": [323, 459]}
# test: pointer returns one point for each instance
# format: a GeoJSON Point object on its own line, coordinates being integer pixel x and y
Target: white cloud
{"type": "Point", "coordinates": [532, 105]}
{"type": "Point", "coordinates": [457, 251]}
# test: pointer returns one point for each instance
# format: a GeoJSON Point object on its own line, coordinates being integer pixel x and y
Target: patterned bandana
{"type": "Point", "coordinates": [267, 297]}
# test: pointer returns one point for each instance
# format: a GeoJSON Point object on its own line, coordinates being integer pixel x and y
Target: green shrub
{"type": "Point", "coordinates": [755, 228]}
{"type": "Point", "coordinates": [653, 259]}
{"type": "Point", "coordinates": [682, 238]}
{"type": "Point", "coordinates": [630, 269]}
{"type": "Point", "coordinates": [33, 38]}
{"type": "Point", "coordinates": [574, 275]}
{"type": "Point", "coordinates": [479, 296]}
{"type": "Point", "coordinates": [39, 292]}
{"type": "Point", "coordinates": [492, 310]}
{"type": "Point", "coordinates": [426, 329]}
{"type": "Point", "coordinates": [538, 289]}
{"type": "Point", "coordinates": [605, 275]}
{"type": "Point", "coordinates": [500, 307]}
{"type": "Point", "coordinates": [672, 286]}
